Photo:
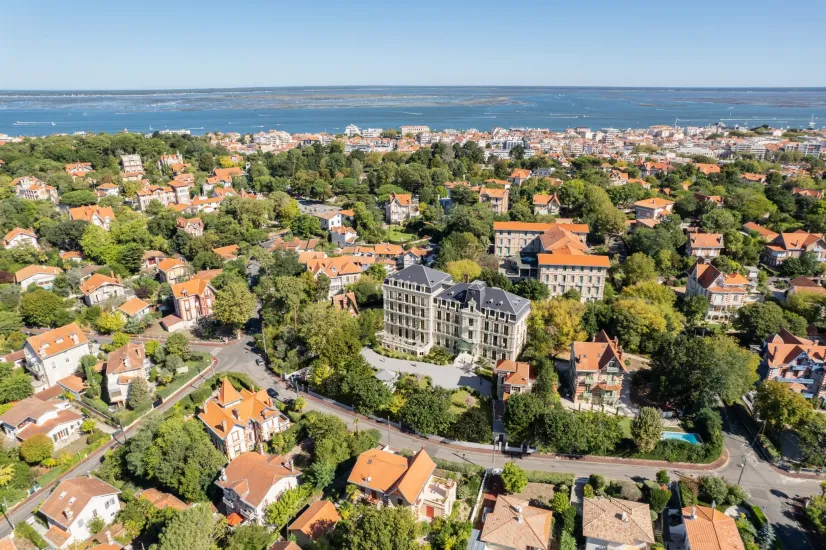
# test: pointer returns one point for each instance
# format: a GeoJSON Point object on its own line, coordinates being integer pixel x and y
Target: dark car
{"type": "Point", "coordinates": [259, 362]}
{"type": "Point", "coordinates": [272, 393]}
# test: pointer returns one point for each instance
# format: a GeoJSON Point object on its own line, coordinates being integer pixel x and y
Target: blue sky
{"type": "Point", "coordinates": [149, 44]}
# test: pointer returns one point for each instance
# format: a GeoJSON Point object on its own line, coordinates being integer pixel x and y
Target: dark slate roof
{"type": "Point", "coordinates": [421, 275]}
{"type": "Point", "coordinates": [486, 297]}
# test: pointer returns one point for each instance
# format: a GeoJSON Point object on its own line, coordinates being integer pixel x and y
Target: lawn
{"type": "Point", "coordinates": [462, 400]}
{"type": "Point", "coordinates": [396, 235]}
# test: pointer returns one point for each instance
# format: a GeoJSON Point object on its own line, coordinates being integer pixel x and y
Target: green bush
{"type": "Point", "coordinates": [551, 478]}
{"type": "Point", "coordinates": [588, 491]}
{"type": "Point", "coordinates": [688, 497]}
{"type": "Point", "coordinates": [569, 520]}
{"type": "Point", "coordinates": [596, 481]}
{"type": "Point", "coordinates": [758, 516]}
{"type": "Point", "coordinates": [465, 468]}
{"type": "Point", "coordinates": [37, 448]}
{"type": "Point", "coordinates": [25, 531]}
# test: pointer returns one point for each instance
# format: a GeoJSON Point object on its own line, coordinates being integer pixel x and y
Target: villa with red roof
{"type": "Point", "coordinates": [597, 370]}
{"type": "Point", "coordinates": [794, 245]}
{"type": "Point", "coordinates": [726, 292]}
{"type": "Point", "coordinates": [546, 204]}
{"type": "Point", "coordinates": [193, 299]}
{"type": "Point", "coordinates": [19, 237]}
{"type": "Point", "coordinates": [796, 361]}
{"type": "Point", "coordinates": [513, 377]}
{"type": "Point", "coordinates": [385, 477]}
{"type": "Point", "coordinates": [239, 422]}
{"type": "Point", "coordinates": [101, 216]}
{"type": "Point", "coordinates": [400, 207]}
{"type": "Point", "coordinates": [653, 208]}
{"type": "Point", "coordinates": [704, 245]}
{"type": "Point", "coordinates": [496, 198]}
{"type": "Point", "coordinates": [251, 482]}
{"type": "Point", "coordinates": [513, 524]}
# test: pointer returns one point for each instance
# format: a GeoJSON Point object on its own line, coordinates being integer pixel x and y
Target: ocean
{"type": "Point", "coordinates": [331, 109]}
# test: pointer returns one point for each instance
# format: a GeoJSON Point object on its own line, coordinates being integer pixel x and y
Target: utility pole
{"type": "Point", "coordinates": [742, 469]}
{"type": "Point", "coordinates": [5, 515]}
{"type": "Point", "coordinates": [388, 430]}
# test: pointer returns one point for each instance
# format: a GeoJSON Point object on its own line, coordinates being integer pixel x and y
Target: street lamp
{"type": "Point", "coordinates": [6, 515]}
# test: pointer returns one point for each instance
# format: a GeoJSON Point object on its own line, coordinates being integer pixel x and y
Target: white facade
{"type": "Point", "coordinates": [51, 368]}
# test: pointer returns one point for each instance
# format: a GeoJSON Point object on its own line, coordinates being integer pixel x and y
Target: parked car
{"type": "Point", "coordinates": [272, 392]}
{"type": "Point", "coordinates": [259, 362]}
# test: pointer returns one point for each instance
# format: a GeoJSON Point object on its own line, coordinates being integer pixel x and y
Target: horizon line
{"type": "Point", "coordinates": [342, 86]}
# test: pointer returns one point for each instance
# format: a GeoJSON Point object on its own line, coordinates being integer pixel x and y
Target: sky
{"type": "Point", "coordinates": [150, 44]}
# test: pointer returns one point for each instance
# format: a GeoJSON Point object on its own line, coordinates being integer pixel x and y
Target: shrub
{"type": "Point", "coordinates": [465, 468]}
{"type": "Point", "coordinates": [714, 489]}
{"type": "Point", "coordinates": [569, 520]}
{"type": "Point", "coordinates": [630, 491]}
{"type": "Point", "coordinates": [25, 531]}
{"type": "Point", "coordinates": [688, 497]}
{"type": "Point", "coordinates": [736, 495]}
{"type": "Point", "coordinates": [596, 481]}
{"type": "Point", "coordinates": [96, 525]}
{"type": "Point", "coordinates": [759, 516]}
{"type": "Point", "coordinates": [514, 478]}
{"type": "Point", "coordinates": [658, 499]}
{"type": "Point", "coordinates": [567, 541]}
{"type": "Point", "coordinates": [88, 425]}
{"type": "Point", "coordinates": [588, 491]}
{"type": "Point", "coordinates": [662, 477]}
{"type": "Point", "coordinates": [551, 478]}
{"type": "Point", "coordinates": [560, 503]}
{"type": "Point", "coordinates": [37, 448]}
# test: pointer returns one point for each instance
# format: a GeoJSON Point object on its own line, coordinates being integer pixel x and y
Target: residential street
{"type": "Point", "coordinates": [766, 487]}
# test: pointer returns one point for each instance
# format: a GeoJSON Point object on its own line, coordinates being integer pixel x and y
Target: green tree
{"type": "Point", "coordinates": [658, 499]}
{"type": "Point", "coordinates": [638, 268]}
{"type": "Point", "coordinates": [280, 512]}
{"type": "Point", "coordinates": [428, 411]}
{"type": "Point", "coordinates": [234, 305]}
{"type": "Point", "coordinates": [714, 489]}
{"type": "Point", "coordinates": [560, 502]}
{"type": "Point", "coordinates": [647, 429]}
{"type": "Point", "coordinates": [37, 448]}
{"type": "Point", "coordinates": [191, 529]}
{"type": "Point", "coordinates": [379, 529]}
{"type": "Point", "coordinates": [139, 394]}
{"type": "Point", "coordinates": [107, 323]}
{"type": "Point", "coordinates": [289, 292]}
{"type": "Point", "coordinates": [758, 321]}
{"type": "Point", "coordinates": [779, 406]}
{"type": "Point", "coordinates": [531, 289]}
{"type": "Point", "coordinates": [178, 344]}
{"type": "Point", "coordinates": [463, 270]}
{"type": "Point", "coordinates": [15, 386]}
{"type": "Point", "coordinates": [520, 415]}
{"type": "Point", "coordinates": [698, 371]}
{"type": "Point", "coordinates": [96, 525]}
{"type": "Point", "coordinates": [249, 536]}
{"type": "Point", "coordinates": [41, 308]}
{"type": "Point", "coordinates": [514, 478]}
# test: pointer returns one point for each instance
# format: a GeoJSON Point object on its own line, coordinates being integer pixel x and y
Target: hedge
{"type": "Point", "coordinates": [459, 467]}
{"type": "Point", "coordinates": [26, 531]}
{"type": "Point", "coordinates": [181, 381]}
{"type": "Point", "coordinates": [759, 517]}
{"type": "Point", "coordinates": [551, 478]}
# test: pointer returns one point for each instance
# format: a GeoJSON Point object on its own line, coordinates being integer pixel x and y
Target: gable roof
{"type": "Point", "coordinates": [96, 281]}
{"type": "Point", "coordinates": [231, 408]}
{"type": "Point", "coordinates": [316, 520]}
{"type": "Point", "coordinates": [17, 231]}
{"type": "Point", "coordinates": [655, 202]}
{"type": "Point", "coordinates": [514, 524]}
{"type": "Point", "coordinates": [709, 529]}
{"type": "Point", "coordinates": [30, 407]}
{"type": "Point", "coordinates": [80, 491]}
{"type": "Point", "coordinates": [595, 355]}
{"type": "Point", "coordinates": [545, 199]}
{"type": "Point", "coordinates": [706, 240]}
{"type": "Point", "coordinates": [404, 199]}
{"type": "Point", "coordinates": [168, 264]}
{"type": "Point", "coordinates": [86, 213]}
{"type": "Point", "coordinates": [192, 287]}
{"type": "Point", "coordinates": [126, 358]}
{"type": "Point", "coordinates": [616, 520]}
{"type": "Point", "coordinates": [133, 306]}
{"type": "Point", "coordinates": [57, 340]}
{"type": "Point", "coordinates": [251, 475]}
{"type": "Point", "coordinates": [32, 270]}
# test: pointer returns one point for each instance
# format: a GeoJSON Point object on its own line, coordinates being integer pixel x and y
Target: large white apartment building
{"type": "Point", "coordinates": [55, 354]}
{"type": "Point", "coordinates": [423, 307]}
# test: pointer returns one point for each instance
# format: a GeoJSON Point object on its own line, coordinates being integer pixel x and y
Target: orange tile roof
{"type": "Point", "coordinates": [655, 202]}
{"type": "Point", "coordinates": [539, 227]}
{"type": "Point", "coordinates": [19, 231]}
{"type": "Point", "coordinates": [317, 520]}
{"type": "Point", "coordinates": [618, 521]}
{"type": "Point", "coordinates": [125, 359]}
{"type": "Point", "coordinates": [251, 475]}
{"type": "Point", "coordinates": [86, 213]}
{"type": "Point", "coordinates": [708, 529]}
{"type": "Point", "coordinates": [285, 545]}
{"type": "Point", "coordinates": [388, 472]}
{"type": "Point", "coordinates": [192, 287]}
{"type": "Point", "coordinates": [73, 383]}
{"type": "Point", "coordinates": [520, 173]}
{"type": "Point", "coordinates": [227, 252]}
{"type": "Point", "coordinates": [767, 234]}
{"type": "Point", "coordinates": [133, 306]}
{"type": "Point", "coordinates": [404, 199]}
{"type": "Point", "coordinates": [96, 281]}
{"type": "Point", "coordinates": [595, 355]}
{"type": "Point", "coordinates": [494, 193]}
{"type": "Point", "coordinates": [63, 417]}
{"type": "Point", "coordinates": [706, 240]}
{"type": "Point", "coordinates": [57, 340]}
{"type": "Point", "coordinates": [82, 490]}
{"type": "Point", "coordinates": [168, 264]}
{"type": "Point", "coordinates": [57, 536]}
{"type": "Point", "coordinates": [545, 200]}
{"type": "Point", "coordinates": [161, 500]}
{"type": "Point", "coordinates": [336, 267]}
{"type": "Point", "coordinates": [574, 260]}
{"type": "Point", "coordinates": [32, 270]}
{"type": "Point", "coordinates": [515, 524]}
{"type": "Point", "coordinates": [708, 168]}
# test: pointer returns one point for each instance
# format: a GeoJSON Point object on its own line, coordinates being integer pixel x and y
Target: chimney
{"type": "Point", "coordinates": [68, 513]}
{"type": "Point", "coordinates": [236, 414]}
{"type": "Point", "coordinates": [290, 465]}
{"type": "Point", "coordinates": [74, 337]}
{"type": "Point", "coordinates": [223, 425]}
{"type": "Point", "coordinates": [223, 474]}
{"type": "Point", "coordinates": [693, 512]}
{"type": "Point", "coordinates": [624, 517]}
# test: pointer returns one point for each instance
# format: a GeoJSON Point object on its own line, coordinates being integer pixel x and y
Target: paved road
{"type": "Point", "coordinates": [446, 376]}
{"type": "Point", "coordinates": [767, 488]}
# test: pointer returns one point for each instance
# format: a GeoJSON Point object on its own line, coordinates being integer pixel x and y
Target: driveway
{"type": "Point", "coordinates": [445, 376]}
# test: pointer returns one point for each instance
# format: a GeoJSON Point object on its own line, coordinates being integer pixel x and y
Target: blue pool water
{"type": "Point", "coordinates": [694, 439]}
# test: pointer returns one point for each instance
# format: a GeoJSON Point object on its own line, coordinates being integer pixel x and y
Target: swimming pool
{"type": "Point", "coordinates": [694, 439]}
